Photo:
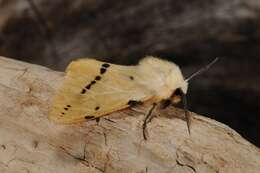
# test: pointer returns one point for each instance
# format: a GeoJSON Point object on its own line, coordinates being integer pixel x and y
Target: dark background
{"type": "Point", "coordinates": [190, 33]}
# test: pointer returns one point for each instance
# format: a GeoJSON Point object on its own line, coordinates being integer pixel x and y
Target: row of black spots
{"type": "Point", "coordinates": [66, 109]}
{"type": "Point", "coordinates": [90, 84]}
{"type": "Point", "coordinates": [104, 67]}
{"type": "Point", "coordinates": [97, 78]}
{"type": "Point", "coordinates": [83, 91]}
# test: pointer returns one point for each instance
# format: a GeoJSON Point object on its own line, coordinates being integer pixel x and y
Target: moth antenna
{"type": "Point", "coordinates": [187, 113]}
{"type": "Point", "coordinates": [202, 70]}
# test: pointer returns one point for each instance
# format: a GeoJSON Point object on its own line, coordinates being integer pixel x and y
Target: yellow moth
{"type": "Point", "coordinates": [92, 88]}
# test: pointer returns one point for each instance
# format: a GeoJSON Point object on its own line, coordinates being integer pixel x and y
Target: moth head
{"type": "Point", "coordinates": [181, 84]}
{"type": "Point", "coordinates": [177, 96]}
{"type": "Point", "coordinates": [180, 89]}
{"type": "Point", "coordinates": [179, 92]}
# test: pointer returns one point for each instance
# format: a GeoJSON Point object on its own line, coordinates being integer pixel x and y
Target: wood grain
{"type": "Point", "coordinates": [29, 142]}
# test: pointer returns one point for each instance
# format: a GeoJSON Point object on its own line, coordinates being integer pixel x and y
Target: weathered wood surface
{"type": "Point", "coordinates": [190, 33]}
{"type": "Point", "coordinates": [29, 142]}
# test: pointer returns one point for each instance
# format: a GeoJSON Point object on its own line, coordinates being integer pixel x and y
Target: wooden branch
{"type": "Point", "coordinates": [29, 142]}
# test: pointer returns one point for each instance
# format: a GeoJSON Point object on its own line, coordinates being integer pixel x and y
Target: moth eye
{"type": "Point", "coordinates": [178, 92]}
{"type": "Point", "coordinates": [176, 96]}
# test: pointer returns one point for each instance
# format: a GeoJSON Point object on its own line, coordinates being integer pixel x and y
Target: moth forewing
{"type": "Point", "coordinates": [94, 88]}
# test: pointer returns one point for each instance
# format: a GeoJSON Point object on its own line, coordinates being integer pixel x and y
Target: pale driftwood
{"type": "Point", "coordinates": [29, 142]}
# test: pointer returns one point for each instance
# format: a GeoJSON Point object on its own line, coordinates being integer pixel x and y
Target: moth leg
{"type": "Point", "coordinates": [97, 120]}
{"type": "Point", "coordinates": [109, 120]}
{"type": "Point", "coordinates": [139, 111]}
{"type": "Point", "coordinates": [133, 105]}
{"type": "Point", "coordinates": [148, 119]}
{"type": "Point", "coordinates": [188, 116]}
{"type": "Point", "coordinates": [165, 103]}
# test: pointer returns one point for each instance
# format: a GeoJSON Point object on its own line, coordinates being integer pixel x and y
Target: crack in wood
{"type": "Point", "coordinates": [81, 160]}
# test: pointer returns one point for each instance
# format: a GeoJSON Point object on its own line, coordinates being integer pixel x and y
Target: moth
{"type": "Point", "coordinates": [92, 88]}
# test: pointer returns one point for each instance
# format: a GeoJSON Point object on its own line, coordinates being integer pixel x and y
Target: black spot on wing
{"type": "Point", "coordinates": [66, 109]}
{"type": "Point", "coordinates": [103, 70]}
{"type": "Point", "coordinates": [97, 78]}
{"type": "Point", "coordinates": [83, 91]}
{"type": "Point", "coordinates": [88, 86]}
{"type": "Point", "coordinates": [89, 117]}
{"type": "Point", "coordinates": [132, 103]}
{"type": "Point", "coordinates": [131, 77]}
{"type": "Point", "coordinates": [105, 65]}
{"type": "Point", "coordinates": [97, 108]}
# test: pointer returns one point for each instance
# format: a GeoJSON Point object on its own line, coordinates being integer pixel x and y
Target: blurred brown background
{"type": "Point", "coordinates": [190, 33]}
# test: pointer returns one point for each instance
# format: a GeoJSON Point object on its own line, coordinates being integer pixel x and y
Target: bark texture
{"type": "Point", "coordinates": [29, 142]}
